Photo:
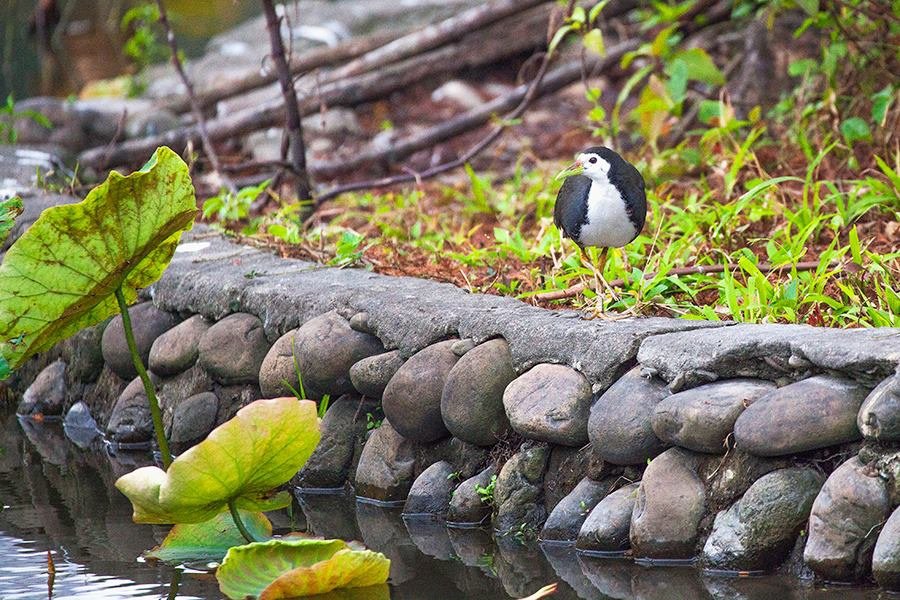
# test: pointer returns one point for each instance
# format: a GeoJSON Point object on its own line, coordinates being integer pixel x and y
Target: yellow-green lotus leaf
{"type": "Point", "coordinates": [60, 276]}
{"type": "Point", "coordinates": [242, 460]}
{"type": "Point", "coordinates": [289, 568]}
{"type": "Point", "coordinates": [210, 540]}
{"type": "Point", "coordinates": [10, 208]}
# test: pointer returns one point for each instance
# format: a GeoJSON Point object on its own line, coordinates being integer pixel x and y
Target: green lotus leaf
{"type": "Point", "coordinates": [60, 276]}
{"type": "Point", "coordinates": [288, 568]}
{"type": "Point", "coordinates": [242, 460]}
{"type": "Point", "coordinates": [10, 208]}
{"type": "Point", "coordinates": [209, 540]}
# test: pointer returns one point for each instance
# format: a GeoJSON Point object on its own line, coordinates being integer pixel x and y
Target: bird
{"type": "Point", "coordinates": [602, 202]}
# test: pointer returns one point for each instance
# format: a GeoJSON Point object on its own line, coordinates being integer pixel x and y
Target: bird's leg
{"type": "Point", "coordinates": [602, 285]}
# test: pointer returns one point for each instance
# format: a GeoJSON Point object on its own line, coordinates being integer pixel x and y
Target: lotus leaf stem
{"type": "Point", "coordinates": [235, 515]}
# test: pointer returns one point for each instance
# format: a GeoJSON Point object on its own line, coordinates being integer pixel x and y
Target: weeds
{"type": "Point", "coordinates": [486, 492]}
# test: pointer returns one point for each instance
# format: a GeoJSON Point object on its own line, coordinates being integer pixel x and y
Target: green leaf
{"type": "Point", "coordinates": [10, 208]}
{"type": "Point", "coordinates": [4, 368]}
{"type": "Point", "coordinates": [558, 38]}
{"type": "Point", "coordinates": [60, 276]}
{"type": "Point", "coordinates": [802, 67]}
{"type": "Point", "coordinates": [855, 129]}
{"type": "Point", "coordinates": [699, 65]}
{"type": "Point", "coordinates": [678, 79]}
{"type": "Point", "coordinates": [810, 7]}
{"type": "Point", "coordinates": [242, 460]}
{"type": "Point", "coordinates": [211, 539]}
{"type": "Point", "coordinates": [593, 41]}
{"type": "Point", "coordinates": [596, 10]}
{"type": "Point", "coordinates": [288, 568]}
{"type": "Point", "coordinates": [881, 101]}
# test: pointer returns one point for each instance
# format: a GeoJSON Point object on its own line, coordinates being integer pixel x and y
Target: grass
{"type": "Point", "coordinates": [816, 179]}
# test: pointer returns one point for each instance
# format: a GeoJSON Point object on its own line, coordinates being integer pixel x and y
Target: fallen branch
{"type": "Point", "coordinates": [195, 107]}
{"type": "Point", "coordinates": [293, 125]}
{"type": "Point", "coordinates": [767, 268]}
{"type": "Point", "coordinates": [501, 40]}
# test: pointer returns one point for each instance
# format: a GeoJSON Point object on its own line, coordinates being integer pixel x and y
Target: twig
{"type": "Point", "coordinates": [195, 106]}
{"type": "Point", "coordinates": [574, 290]}
{"type": "Point", "coordinates": [294, 125]}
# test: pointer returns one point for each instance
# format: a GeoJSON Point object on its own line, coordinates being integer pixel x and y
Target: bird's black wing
{"type": "Point", "coordinates": [629, 180]}
{"type": "Point", "coordinates": [570, 211]}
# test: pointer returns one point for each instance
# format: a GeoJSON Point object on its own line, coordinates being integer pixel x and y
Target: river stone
{"type": "Point", "coordinates": [193, 419]}
{"type": "Point", "coordinates": [701, 418]}
{"type": "Point", "coordinates": [232, 398]}
{"type": "Point", "coordinates": [518, 493]}
{"type": "Point", "coordinates": [569, 514]}
{"type": "Point", "coordinates": [47, 393]}
{"type": "Point", "coordinates": [813, 413]}
{"type": "Point", "coordinates": [620, 424]}
{"type": "Point", "coordinates": [886, 559]}
{"type": "Point", "coordinates": [177, 349]}
{"type": "Point", "coordinates": [472, 400]}
{"type": "Point", "coordinates": [130, 421]}
{"type": "Point", "coordinates": [466, 505]}
{"type": "Point", "coordinates": [879, 415]}
{"type": "Point", "coordinates": [412, 398]}
{"type": "Point", "coordinates": [550, 403]}
{"type": "Point", "coordinates": [343, 430]}
{"type": "Point", "coordinates": [233, 349]}
{"type": "Point", "coordinates": [606, 527]}
{"type": "Point", "coordinates": [371, 374]}
{"type": "Point", "coordinates": [431, 491]}
{"type": "Point", "coordinates": [759, 530]}
{"type": "Point", "coordinates": [83, 354]}
{"type": "Point", "coordinates": [172, 391]}
{"type": "Point", "coordinates": [853, 503]}
{"type": "Point", "coordinates": [148, 323]}
{"type": "Point", "coordinates": [671, 502]}
{"type": "Point", "coordinates": [386, 466]}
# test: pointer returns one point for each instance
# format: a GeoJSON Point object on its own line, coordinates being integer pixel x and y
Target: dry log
{"type": "Point", "coordinates": [503, 39]}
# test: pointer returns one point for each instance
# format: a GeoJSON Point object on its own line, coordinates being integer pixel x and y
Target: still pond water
{"type": "Point", "coordinates": [59, 499]}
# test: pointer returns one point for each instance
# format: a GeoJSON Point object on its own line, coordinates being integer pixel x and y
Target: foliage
{"type": "Point", "coordinates": [228, 206]}
{"type": "Point", "coordinates": [211, 539]}
{"type": "Point", "coordinates": [239, 463]}
{"type": "Point", "coordinates": [10, 208]}
{"type": "Point", "coordinates": [287, 568]}
{"type": "Point", "coordinates": [61, 275]}
{"type": "Point", "coordinates": [144, 46]}
{"type": "Point", "coordinates": [9, 114]}
{"type": "Point", "coordinates": [486, 492]}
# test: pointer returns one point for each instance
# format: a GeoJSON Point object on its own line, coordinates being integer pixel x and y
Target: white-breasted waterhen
{"type": "Point", "coordinates": [601, 203]}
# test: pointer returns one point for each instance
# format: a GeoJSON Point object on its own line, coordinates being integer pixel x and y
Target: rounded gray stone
{"type": "Point", "coordinates": [851, 505]}
{"type": "Point", "coordinates": [177, 349]}
{"type": "Point", "coordinates": [130, 421]}
{"type": "Point", "coordinates": [467, 506]}
{"type": "Point", "coordinates": [813, 413]}
{"type": "Point", "coordinates": [412, 398]}
{"type": "Point", "coordinates": [701, 418]}
{"type": "Point", "coordinates": [148, 323]}
{"type": "Point", "coordinates": [518, 502]}
{"type": "Point", "coordinates": [463, 346]}
{"type": "Point", "coordinates": [671, 503]}
{"type": "Point", "coordinates": [886, 558]}
{"type": "Point", "coordinates": [47, 393]}
{"type": "Point", "coordinates": [233, 349]}
{"type": "Point", "coordinates": [550, 403]}
{"type": "Point", "coordinates": [620, 424]}
{"type": "Point", "coordinates": [371, 375]}
{"type": "Point", "coordinates": [324, 348]}
{"type": "Point", "coordinates": [343, 430]}
{"type": "Point", "coordinates": [879, 415]}
{"type": "Point", "coordinates": [606, 527]}
{"type": "Point", "coordinates": [431, 491]}
{"type": "Point", "coordinates": [386, 465]}
{"type": "Point", "coordinates": [566, 519]}
{"type": "Point", "coordinates": [472, 400]}
{"type": "Point", "coordinates": [758, 531]}
{"type": "Point", "coordinates": [194, 418]}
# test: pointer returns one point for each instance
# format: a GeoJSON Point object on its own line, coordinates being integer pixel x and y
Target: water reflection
{"type": "Point", "coordinates": [60, 498]}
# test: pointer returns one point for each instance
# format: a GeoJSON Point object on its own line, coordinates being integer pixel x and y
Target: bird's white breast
{"type": "Point", "coordinates": [607, 223]}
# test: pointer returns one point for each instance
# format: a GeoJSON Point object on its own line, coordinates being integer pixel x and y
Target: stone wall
{"type": "Point", "coordinates": [736, 447]}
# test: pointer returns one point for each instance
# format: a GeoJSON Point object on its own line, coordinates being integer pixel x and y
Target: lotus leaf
{"type": "Point", "coordinates": [209, 540]}
{"type": "Point", "coordinates": [10, 208]}
{"type": "Point", "coordinates": [60, 276]}
{"type": "Point", "coordinates": [287, 568]}
{"type": "Point", "coordinates": [240, 461]}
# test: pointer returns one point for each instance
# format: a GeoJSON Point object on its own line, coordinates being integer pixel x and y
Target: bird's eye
{"type": "Point", "coordinates": [592, 160]}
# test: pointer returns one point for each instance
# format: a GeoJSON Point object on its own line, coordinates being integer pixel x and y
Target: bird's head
{"type": "Point", "coordinates": [593, 162]}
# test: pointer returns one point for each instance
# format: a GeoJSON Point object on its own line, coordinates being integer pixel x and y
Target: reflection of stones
{"type": "Point", "coordinates": [47, 439]}
{"type": "Point", "coordinates": [474, 547]}
{"type": "Point", "coordinates": [666, 583]}
{"type": "Point", "coordinates": [610, 576]}
{"type": "Point", "coordinates": [382, 529]}
{"type": "Point", "coordinates": [330, 515]}
{"type": "Point", "coordinates": [750, 588]}
{"type": "Point", "coordinates": [565, 564]}
{"type": "Point", "coordinates": [430, 536]}
{"type": "Point", "coordinates": [521, 568]}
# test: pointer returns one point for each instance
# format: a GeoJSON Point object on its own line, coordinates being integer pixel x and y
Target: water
{"type": "Point", "coordinates": [60, 499]}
